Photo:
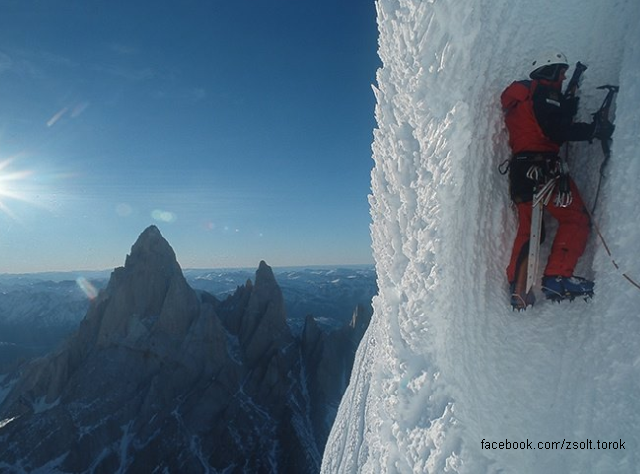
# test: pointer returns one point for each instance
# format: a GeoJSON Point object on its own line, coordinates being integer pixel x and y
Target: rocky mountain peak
{"type": "Point", "coordinates": [263, 326]}
{"type": "Point", "coordinates": [148, 294]}
{"type": "Point", "coordinates": [264, 274]}
{"type": "Point", "coordinates": [151, 250]}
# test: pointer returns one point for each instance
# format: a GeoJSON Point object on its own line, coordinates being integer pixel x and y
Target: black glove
{"type": "Point", "coordinates": [570, 107]}
{"type": "Point", "coordinates": [602, 129]}
{"type": "Point", "coordinates": [563, 197]}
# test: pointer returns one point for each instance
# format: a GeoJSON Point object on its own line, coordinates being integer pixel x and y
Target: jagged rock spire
{"type": "Point", "coordinates": [263, 324]}
{"type": "Point", "coordinates": [149, 293]}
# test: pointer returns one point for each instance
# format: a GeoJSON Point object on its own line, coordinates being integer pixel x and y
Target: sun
{"type": "Point", "coordinates": [11, 180]}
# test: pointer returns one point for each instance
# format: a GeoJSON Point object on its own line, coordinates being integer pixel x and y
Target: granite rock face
{"type": "Point", "coordinates": [329, 358]}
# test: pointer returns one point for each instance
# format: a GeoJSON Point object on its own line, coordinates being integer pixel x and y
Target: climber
{"type": "Point", "coordinates": [539, 119]}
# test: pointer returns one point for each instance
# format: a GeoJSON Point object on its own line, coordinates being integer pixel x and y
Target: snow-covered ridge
{"type": "Point", "coordinates": [445, 362]}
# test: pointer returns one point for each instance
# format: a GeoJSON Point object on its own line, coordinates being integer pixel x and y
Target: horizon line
{"type": "Point", "coordinates": [227, 268]}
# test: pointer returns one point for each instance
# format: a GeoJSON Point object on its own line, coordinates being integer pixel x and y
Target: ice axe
{"type": "Point", "coordinates": [602, 117]}
{"type": "Point", "coordinates": [574, 82]}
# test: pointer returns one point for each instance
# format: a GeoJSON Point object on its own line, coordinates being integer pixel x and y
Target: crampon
{"type": "Point", "coordinates": [559, 288]}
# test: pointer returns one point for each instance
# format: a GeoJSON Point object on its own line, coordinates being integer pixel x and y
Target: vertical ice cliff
{"type": "Point", "coordinates": [445, 363]}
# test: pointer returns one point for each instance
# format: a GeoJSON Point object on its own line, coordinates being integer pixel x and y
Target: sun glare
{"type": "Point", "coordinates": [11, 181]}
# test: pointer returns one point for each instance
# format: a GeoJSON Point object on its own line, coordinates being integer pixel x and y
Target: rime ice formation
{"type": "Point", "coordinates": [445, 363]}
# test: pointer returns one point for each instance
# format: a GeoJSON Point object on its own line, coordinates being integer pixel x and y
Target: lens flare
{"type": "Point", "coordinates": [52, 121]}
{"type": "Point", "coordinates": [163, 216]}
{"type": "Point", "coordinates": [87, 288]}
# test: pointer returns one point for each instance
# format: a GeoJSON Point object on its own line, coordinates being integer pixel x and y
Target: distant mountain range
{"type": "Point", "coordinates": [162, 377]}
{"type": "Point", "coordinates": [37, 311]}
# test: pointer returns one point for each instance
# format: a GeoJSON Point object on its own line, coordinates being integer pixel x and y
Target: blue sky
{"type": "Point", "coordinates": [242, 130]}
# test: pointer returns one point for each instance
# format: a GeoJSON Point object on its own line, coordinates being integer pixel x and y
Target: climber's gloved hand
{"type": "Point", "coordinates": [570, 107]}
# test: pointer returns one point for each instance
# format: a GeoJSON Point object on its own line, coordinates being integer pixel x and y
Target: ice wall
{"type": "Point", "coordinates": [445, 362]}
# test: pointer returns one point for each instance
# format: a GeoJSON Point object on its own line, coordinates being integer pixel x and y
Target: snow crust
{"type": "Point", "coordinates": [445, 363]}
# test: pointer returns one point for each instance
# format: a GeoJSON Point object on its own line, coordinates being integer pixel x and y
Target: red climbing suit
{"type": "Point", "coordinates": [569, 242]}
{"type": "Point", "coordinates": [530, 119]}
{"type": "Point", "coordinates": [525, 133]}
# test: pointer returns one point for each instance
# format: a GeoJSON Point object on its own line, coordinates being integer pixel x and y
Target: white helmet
{"type": "Point", "coordinates": [548, 58]}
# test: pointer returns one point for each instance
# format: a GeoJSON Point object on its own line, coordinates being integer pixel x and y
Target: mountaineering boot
{"type": "Point", "coordinates": [558, 288]}
{"type": "Point", "coordinates": [519, 299]}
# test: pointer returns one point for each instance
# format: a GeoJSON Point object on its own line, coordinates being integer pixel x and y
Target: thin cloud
{"type": "Point", "coordinates": [15, 64]}
{"type": "Point", "coordinates": [130, 74]}
{"type": "Point", "coordinates": [29, 64]}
